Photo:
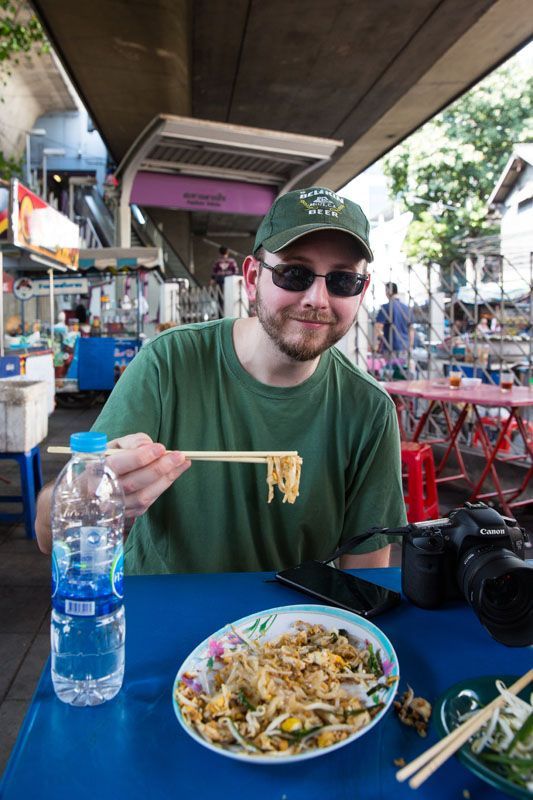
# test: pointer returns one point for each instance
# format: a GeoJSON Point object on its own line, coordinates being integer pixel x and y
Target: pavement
{"type": "Point", "coordinates": [25, 588]}
{"type": "Point", "coordinates": [25, 582]}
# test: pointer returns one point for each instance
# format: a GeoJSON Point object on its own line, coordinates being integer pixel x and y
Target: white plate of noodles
{"type": "Point", "coordinates": [286, 684]}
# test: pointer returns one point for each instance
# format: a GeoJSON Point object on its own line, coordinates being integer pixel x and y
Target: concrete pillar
{"type": "Point", "coordinates": [235, 297]}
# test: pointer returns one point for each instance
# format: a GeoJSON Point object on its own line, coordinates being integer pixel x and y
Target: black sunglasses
{"type": "Point", "coordinates": [297, 278]}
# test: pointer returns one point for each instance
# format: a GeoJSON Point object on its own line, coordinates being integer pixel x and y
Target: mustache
{"type": "Point", "coordinates": [311, 316]}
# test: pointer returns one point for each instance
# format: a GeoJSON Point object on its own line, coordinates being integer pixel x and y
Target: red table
{"type": "Point", "coordinates": [485, 395]}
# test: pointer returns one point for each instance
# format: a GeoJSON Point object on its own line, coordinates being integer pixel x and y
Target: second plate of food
{"type": "Point", "coordinates": [286, 684]}
{"type": "Point", "coordinates": [492, 764]}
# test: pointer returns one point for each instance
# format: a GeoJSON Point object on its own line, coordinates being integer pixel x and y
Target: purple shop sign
{"type": "Point", "coordinates": [201, 194]}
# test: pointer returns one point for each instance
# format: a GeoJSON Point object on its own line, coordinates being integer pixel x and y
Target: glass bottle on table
{"type": "Point", "coordinates": [88, 626]}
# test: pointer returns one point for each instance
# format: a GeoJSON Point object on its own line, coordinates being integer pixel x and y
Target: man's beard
{"type": "Point", "coordinates": [310, 343]}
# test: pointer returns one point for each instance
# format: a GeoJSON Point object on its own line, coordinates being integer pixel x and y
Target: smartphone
{"type": "Point", "coordinates": [338, 588]}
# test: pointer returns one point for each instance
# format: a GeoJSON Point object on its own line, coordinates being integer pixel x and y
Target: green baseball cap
{"type": "Point", "coordinates": [303, 211]}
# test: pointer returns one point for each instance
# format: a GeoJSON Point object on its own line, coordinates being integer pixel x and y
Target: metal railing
{"type": "Point", "coordinates": [449, 316]}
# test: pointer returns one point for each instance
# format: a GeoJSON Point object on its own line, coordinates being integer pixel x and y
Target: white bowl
{"type": "Point", "coordinates": [266, 625]}
{"type": "Point", "coordinates": [471, 382]}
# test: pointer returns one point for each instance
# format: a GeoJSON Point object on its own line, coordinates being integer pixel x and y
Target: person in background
{"type": "Point", "coordinates": [394, 325]}
{"type": "Point", "coordinates": [223, 267]}
{"type": "Point", "coordinates": [80, 313]}
{"type": "Point", "coordinates": [272, 382]}
{"type": "Point", "coordinates": [483, 326]}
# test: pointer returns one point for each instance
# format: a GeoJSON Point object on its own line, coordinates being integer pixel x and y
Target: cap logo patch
{"type": "Point", "coordinates": [322, 202]}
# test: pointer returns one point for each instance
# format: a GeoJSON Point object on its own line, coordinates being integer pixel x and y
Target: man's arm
{"type": "Point", "coordinates": [374, 500]}
{"type": "Point", "coordinates": [43, 528]}
{"type": "Point", "coordinates": [378, 334]}
{"type": "Point", "coordinates": [378, 558]}
{"type": "Point", "coordinates": [145, 470]}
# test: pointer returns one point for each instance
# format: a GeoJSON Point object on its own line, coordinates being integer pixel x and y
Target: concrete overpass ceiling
{"type": "Point", "coordinates": [368, 72]}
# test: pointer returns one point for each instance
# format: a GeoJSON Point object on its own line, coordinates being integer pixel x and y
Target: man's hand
{"type": "Point", "coordinates": [145, 470]}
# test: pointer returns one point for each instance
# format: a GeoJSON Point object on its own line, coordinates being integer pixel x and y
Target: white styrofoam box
{"type": "Point", "coordinates": [40, 367]}
{"type": "Point", "coordinates": [23, 414]}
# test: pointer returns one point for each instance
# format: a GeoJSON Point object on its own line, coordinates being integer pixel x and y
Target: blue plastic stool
{"type": "Point", "coordinates": [31, 481]}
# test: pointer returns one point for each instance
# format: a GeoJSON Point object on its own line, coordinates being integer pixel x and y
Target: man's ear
{"type": "Point", "coordinates": [250, 271]}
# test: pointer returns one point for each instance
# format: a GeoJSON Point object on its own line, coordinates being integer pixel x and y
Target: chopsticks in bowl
{"type": "Point", "coordinates": [427, 763]}
{"type": "Point", "coordinates": [238, 456]}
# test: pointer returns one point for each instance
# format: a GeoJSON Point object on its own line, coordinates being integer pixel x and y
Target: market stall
{"type": "Point", "coordinates": [34, 239]}
{"type": "Point", "coordinates": [122, 287]}
{"type": "Point", "coordinates": [491, 331]}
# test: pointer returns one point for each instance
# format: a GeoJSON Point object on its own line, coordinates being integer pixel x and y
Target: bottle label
{"type": "Point", "coordinates": [117, 573]}
{"type": "Point", "coordinates": [87, 572]}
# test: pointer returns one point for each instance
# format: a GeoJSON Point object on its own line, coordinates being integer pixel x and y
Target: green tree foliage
{"type": "Point", "coordinates": [10, 167]}
{"type": "Point", "coordinates": [445, 172]}
{"type": "Point", "coordinates": [20, 32]}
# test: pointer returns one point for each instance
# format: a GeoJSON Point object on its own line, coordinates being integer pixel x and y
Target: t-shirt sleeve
{"type": "Point", "coordinates": [375, 498]}
{"type": "Point", "coordinates": [134, 405]}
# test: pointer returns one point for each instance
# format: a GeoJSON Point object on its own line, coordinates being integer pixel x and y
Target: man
{"type": "Point", "coordinates": [270, 382]}
{"type": "Point", "coordinates": [394, 324]}
{"type": "Point", "coordinates": [224, 266]}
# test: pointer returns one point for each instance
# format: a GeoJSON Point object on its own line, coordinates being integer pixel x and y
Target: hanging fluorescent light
{"type": "Point", "coordinates": [137, 213]}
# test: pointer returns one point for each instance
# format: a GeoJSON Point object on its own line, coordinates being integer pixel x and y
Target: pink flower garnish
{"type": "Point", "coordinates": [215, 648]}
{"type": "Point", "coordinates": [387, 666]}
{"type": "Point", "coordinates": [194, 685]}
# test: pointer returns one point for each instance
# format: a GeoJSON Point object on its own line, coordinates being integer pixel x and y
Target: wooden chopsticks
{"type": "Point", "coordinates": [426, 764]}
{"type": "Point", "coordinates": [238, 456]}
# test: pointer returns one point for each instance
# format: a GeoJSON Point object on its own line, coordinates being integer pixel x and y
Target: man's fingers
{"type": "Point", "coordinates": [135, 459]}
{"type": "Point", "coordinates": [138, 502]}
{"type": "Point", "coordinates": [161, 467]}
{"type": "Point", "coordinates": [130, 442]}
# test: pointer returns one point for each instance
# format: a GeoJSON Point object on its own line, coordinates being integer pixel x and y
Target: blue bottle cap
{"type": "Point", "coordinates": [88, 442]}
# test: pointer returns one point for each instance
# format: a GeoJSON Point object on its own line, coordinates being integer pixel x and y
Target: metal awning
{"type": "Point", "coordinates": [217, 150]}
{"type": "Point", "coordinates": [232, 152]}
{"type": "Point", "coordinates": [121, 258]}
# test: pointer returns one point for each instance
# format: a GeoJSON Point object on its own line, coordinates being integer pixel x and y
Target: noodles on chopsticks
{"type": "Point", "coordinates": [284, 472]}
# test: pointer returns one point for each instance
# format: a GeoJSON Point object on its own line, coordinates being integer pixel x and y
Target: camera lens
{"type": "Point", "coordinates": [500, 593]}
{"type": "Point", "coordinates": [499, 587]}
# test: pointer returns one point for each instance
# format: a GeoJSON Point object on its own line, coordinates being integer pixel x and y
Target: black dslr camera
{"type": "Point", "coordinates": [477, 555]}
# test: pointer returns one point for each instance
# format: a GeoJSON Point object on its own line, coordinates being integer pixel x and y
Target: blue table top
{"type": "Point", "coordinates": [133, 747]}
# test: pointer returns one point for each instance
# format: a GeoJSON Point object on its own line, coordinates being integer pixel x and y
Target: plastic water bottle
{"type": "Point", "coordinates": [88, 627]}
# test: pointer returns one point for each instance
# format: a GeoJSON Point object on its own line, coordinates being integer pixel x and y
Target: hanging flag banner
{"type": "Point", "coordinates": [37, 227]}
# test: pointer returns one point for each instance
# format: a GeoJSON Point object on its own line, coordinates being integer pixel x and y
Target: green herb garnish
{"type": "Point", "coordinates": [243, 700]}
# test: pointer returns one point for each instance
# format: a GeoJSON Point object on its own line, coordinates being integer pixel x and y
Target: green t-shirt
{"type": "Point", "coordinates": [187, 389]}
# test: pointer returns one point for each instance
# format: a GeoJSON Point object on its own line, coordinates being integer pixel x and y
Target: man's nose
{"type": "Point", "coordinates": [317, 294]}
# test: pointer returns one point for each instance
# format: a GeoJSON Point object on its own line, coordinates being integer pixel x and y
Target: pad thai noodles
{"type": "Point", "coordinates": [284, 471]}
{"type": "Point", "coordinates": [305, 689]}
